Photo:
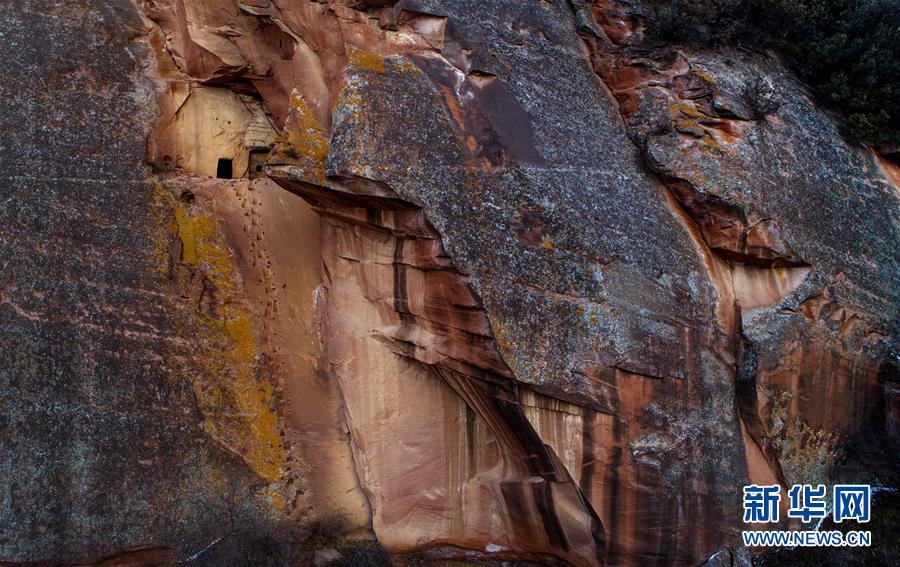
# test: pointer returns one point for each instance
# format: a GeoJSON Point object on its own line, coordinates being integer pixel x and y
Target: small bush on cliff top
{"type": "Point", "coordinates": [847, 50]}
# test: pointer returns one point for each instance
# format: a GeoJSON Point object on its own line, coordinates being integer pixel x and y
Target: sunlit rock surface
{"type": "Point", "coordinates": [488, 280]}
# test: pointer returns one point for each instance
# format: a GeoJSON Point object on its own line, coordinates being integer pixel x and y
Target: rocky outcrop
{"type": "Point", "coordinates": [135, 427]}
{"type": "Point", "coordinates": [797, 214]}
{"type": "Point", "coordinates": [557, 326]}
{"type": "Point", "coordinates": [487, 280]}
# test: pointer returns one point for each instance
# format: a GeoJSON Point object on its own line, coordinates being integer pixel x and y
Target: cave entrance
{"type": "Point", "coordinates": [257, 162]}
{"type": "Point", "coordinates": [225, 168]}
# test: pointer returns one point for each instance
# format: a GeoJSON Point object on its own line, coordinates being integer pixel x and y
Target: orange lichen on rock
{"type": "Point", "coordinates": [234, 397]}
{"type": "Point", "coordinates": [365, 59]}
{"type": "Point", "coordinates": [303, 142]}
{"type": "Point", "coordinates": [303, 136]}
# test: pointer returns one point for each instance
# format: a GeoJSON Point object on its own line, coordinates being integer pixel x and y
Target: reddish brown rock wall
{"type": "Point", "coordinates": [521, 285]}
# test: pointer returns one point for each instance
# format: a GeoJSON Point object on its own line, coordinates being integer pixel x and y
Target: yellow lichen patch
{"type": "Point", "coordinates": [547, 243]}
{"type": "Point", "coordinates": [302, 132]}
{"type": "Point", "coordinates": [703, 76]}
{"type": "Point", "coordinates": [687, 110]}
{"type": "Point", "coordinates": [201, 246]}
{"type": "Point", "coordinates": [365, 59]}
{"type": "Point", "coordinates": [236, 401]}
{"type": "Point", "coordinates": [303, 141]}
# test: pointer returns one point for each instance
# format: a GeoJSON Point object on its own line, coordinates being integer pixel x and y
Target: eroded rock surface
{"type": "Point", "coordinates": [803, 220]}
{"type": "Point", "coordinates": [134, 423]}
{"type": "Point", "coordinates": [523, 284]}
{"type": "Point", "coordinates": [547, 287]}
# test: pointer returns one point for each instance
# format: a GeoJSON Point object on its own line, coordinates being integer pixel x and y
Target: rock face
{"type": "Point", "coordinates": [488, 280]}
{"type": "Point", "coordinates": [799, 216]}
{"type": "Point", "coordinates": [124, 382]}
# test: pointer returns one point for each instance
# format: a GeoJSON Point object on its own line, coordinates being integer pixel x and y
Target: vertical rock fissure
{"type": "Point", "coordinates": [720, 264]}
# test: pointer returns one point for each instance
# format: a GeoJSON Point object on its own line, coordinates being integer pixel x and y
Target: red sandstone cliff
{"type": "Point", "coordinates": [475, 280]}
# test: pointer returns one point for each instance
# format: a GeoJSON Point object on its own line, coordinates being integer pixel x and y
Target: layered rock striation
{"type": "Point", "coordinates": [488, 280]}
{"type": "Point", "coordinates": [128, 361]}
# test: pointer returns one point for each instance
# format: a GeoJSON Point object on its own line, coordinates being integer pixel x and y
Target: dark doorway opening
{"type": "Point", "coordinates": [257, 161]}
{"type": "Point", "coordinates": [224, 169]}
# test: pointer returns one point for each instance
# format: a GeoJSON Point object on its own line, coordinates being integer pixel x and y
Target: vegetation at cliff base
{"type": "Point", "coordinates": [847, 50]}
